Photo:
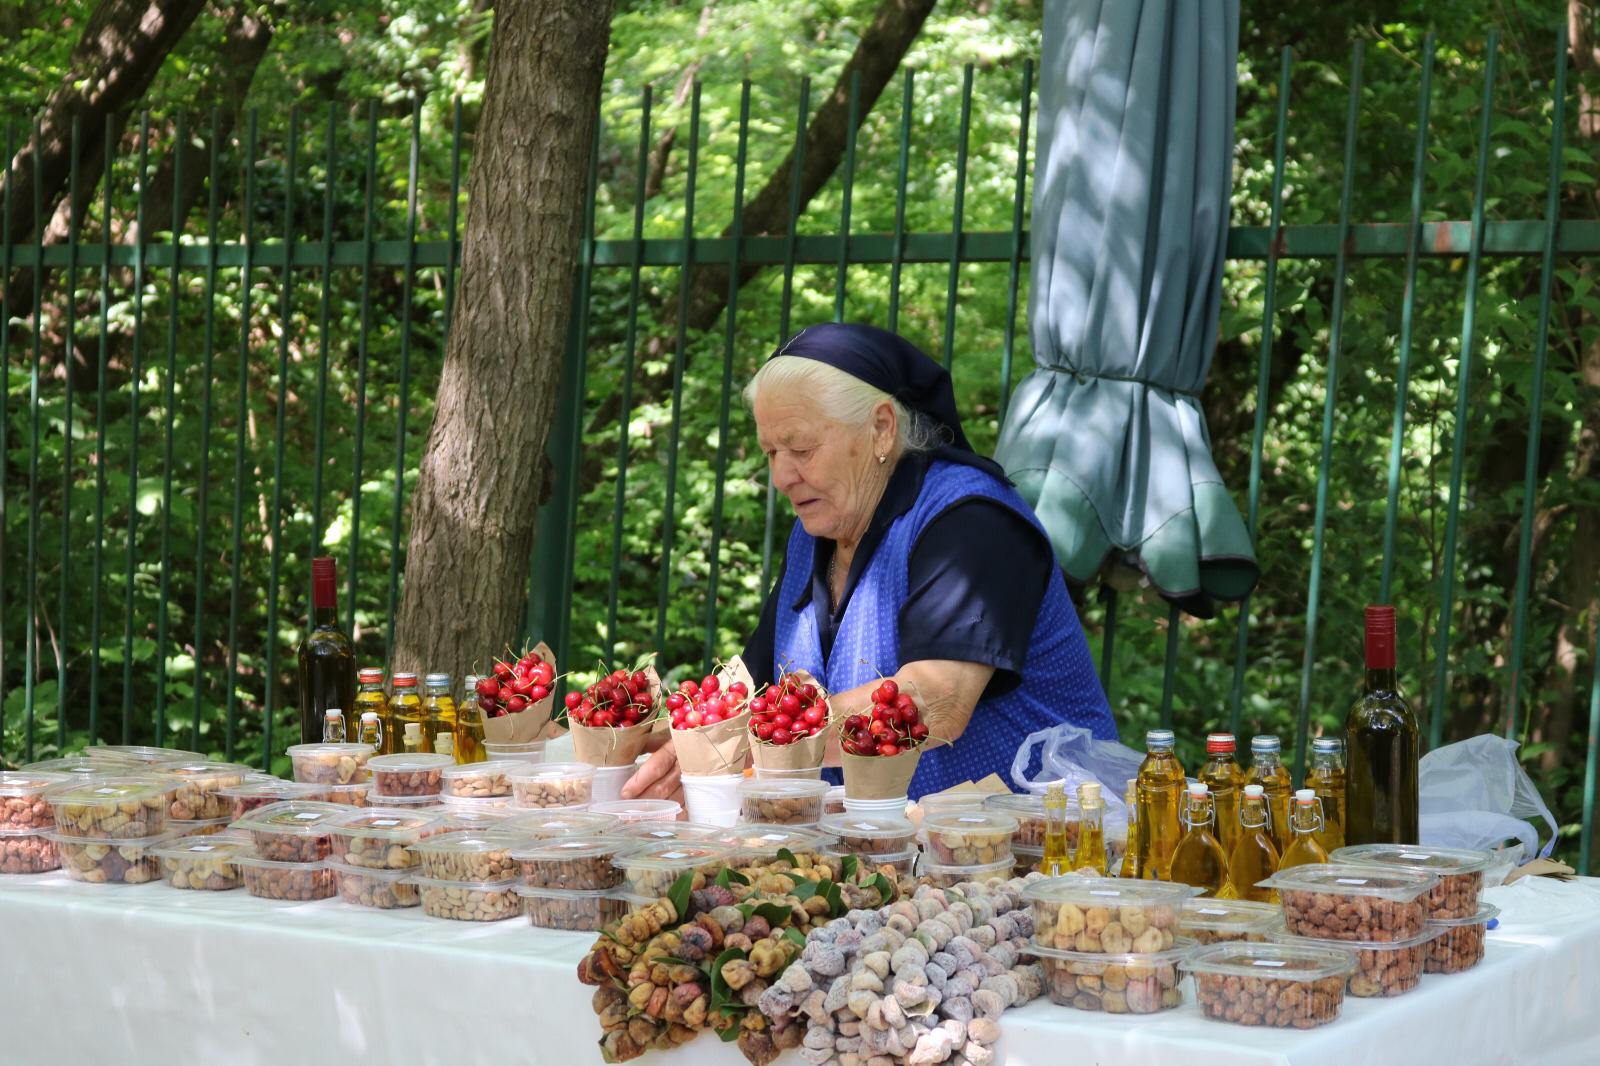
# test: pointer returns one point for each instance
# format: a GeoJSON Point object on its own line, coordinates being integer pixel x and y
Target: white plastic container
{"type": "Point", "coordinates": [582, 910]}
{"type": "Point", "coordinates": [608, 782]}
{"type": "Point", "coordinates": [408, 774]}
{"type": "Point", "coordinates": [628, 812]}
{"type": "Point", "coordinates": [553, 785]}
{"type": "Point", "coordinates": [895, 805]}
{"type": "Point", "coordinates": [479, 780]}
{"type": "Point", "coordinates": [712, 798]}
{"type": "Point", "coordinates": [532, 751]}
{"type": "Point", "coordinates": [794, 802]}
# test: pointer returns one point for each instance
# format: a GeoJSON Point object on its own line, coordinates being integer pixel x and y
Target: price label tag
{"type": "Point", "coordinates": [308, 816]}
{"type": "Point", "coordinates": [775, 838]}
{"type": "Point", "coordinates": [108, 791]}
{"type": "Point", "coordinates": [204, 847]}
{"type": "Point", "coordinates": [1218, 911]}
{"type": "Point", "coordinates": [1269, 963]}
{"type": "Point", "coordinates": [1104, 892]}
{"type": "Point", "coordinates": [1351, 881]}
{"type": "Point", "coordinates": [1423, 855]}
{"type": "Point", "coordinates": [387, 823]}
{"type": "Point", "coordinates": [674, 855]}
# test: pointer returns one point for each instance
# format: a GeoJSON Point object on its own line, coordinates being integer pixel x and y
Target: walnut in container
{"type": "Point", "coordinates": [467, 856]}
{"type": "Point", "coordinates": [572, 862]}
{"type": "Point", "coordinates": [1278, 985]}
{"type": "Point", "coordinates": [198, 794]}
{"type": "Point", "coordinates": [128, 807]}
{"type": "Point", "coordinates": [292, 831]}
{"type": "Point", "coordinates": [330, 764]}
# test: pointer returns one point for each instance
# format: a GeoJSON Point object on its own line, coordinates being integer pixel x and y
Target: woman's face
{"type": "Point", "coordinates": [829, 472]}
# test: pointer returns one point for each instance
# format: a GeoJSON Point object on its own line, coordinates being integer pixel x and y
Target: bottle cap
{"type": "Point", "coordinates": [1089, 794]}
{"type": "Point", "coordinates": [1328, 744]}
{"type": "Point", "coordinates": [1199, 789]}
{"type": "Point", "coordinates": [1220, 744]}
{"type": "Point", "coordinates": [413, 730]}
{"type": "Point", "coordinates": [369, 716]}
{"type": "Point", "coordinates": [1254, 792]}
{"type": "Point", "coordinates": [472, 681]}
{"type": "Point", "coordinates": [437, 680]}
{"type": "Point", "coordinates": [370, 675]}
{"type": "Point", "coordinates": [1380, 619]}
{"type": "Point", "coordinates": [1263, 742]}
{"type": "Point", "coordinates": [1305, 796]}
{"type": "Point", "coordinates": [1158, 738]}
{"type": "Point", "coordinates": [405, 680]}
{"type": "Point", "coordinates": [333, 712]}
{"type": "Point", "coordinates": [323, 582]}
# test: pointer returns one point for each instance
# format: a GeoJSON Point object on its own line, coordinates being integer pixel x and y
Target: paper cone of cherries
{"type": "Point", "coordinates": [612, 718]}
{"type": "Point", "coordinates": [881, 745]}
{"type": "Point", "coordinates": [789, 724]}
{"type": "Point", "coordinates": [517, 696]}
{"type": "Point", "coordinates": [709, 718]}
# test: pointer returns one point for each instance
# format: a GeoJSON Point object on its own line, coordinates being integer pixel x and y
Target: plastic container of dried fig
{"type": "Point", "coordinates": [1129, 983]}
{"type": "Point", "coordinates": [408, 774]}
{"type": "Point", "coordinates": [330, 764]}
{"type": "Point", "coordinates": [1383, 969]}
{"type": "Point", "coordinates": [651, 869]}
{"type": "Point", "coordinates": [581, 910]}
{"type": "Point", "coordinates": [199, 784]}
{"type": "Point", "coordinates": [644, 832]}
{"type": "Point", "coordinates": [383, 890]}
{"type": "Point", "coordinates": [874, 834]}
{"type": "Point", "coordinates": [468, 901]}
{"type": "Point", "coordinates": [292, 831]}
{"type": "Point", "coordinates": [23, 807]}
{"type": "Point", "coordinates": [26, 851]}
{"type": "Point", "coordinates": [573, 862]}
{"type": "Point", "coordinates": [1282, 986]}
{"type": "Point", "coordinates": [969, 838]}
{"type": "Point", "coordinates": [377, 839]}
{"type": "Point", "coordinates": [943, 875]}
{"type": "Point", "coordinates": [1459, 944]}
{"type": "Point", "coordinates": [1028, 809]}
{"type": "Point", "coordinates": [125, 807]}
{"type": "Point", "coordinates": [1460, 872]}
{"type": "Point", "coordinates": [139, 754]}
{"type": "Point", "coordinates": [553, 784]}
{"type": "Point", "coordinates": [559, 823]}
{"type": "Point", "coordinates": [630, 812]}
{"type": "Point", "coordinates": [202, 863]}
{"type": "Point", "coordinates": [480, 780]}
{"type": "Point", "coordinates": [253, 795]}
{"type": "Point", "coordinates": [1327, 901]}
{"type": "Point", "coordinates": [297, 882]}
{"type": "Point", "coordinates": [761, 841]}
{"type": "Point", "coordinates": [110, 860]}
{"type": "Point", "coordinates": [468, 856]}
{"type": "Point", "coordinates": [1221, 921]}
{"type": "Point", "coordinates": [1106, 915]}
{"type": "Point", "coordinates": [899, 863]}
{"type": "Point", "coordinates": [780, 802]}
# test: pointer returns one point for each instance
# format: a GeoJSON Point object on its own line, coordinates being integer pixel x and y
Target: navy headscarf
{"type": "Point", "coordinates": [889, 362]}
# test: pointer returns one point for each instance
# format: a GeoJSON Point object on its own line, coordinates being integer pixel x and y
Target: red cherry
{"type": "Point", "coordinates": [502, 671]}
{"type": "Point", "coordinates": [758, 705]}
{"type": "Point", "coordinates": [488, 686]}
{"type": "Point", "coordinates": [790, 704]}
{"type": "Point", "coordinates": [764, 730]}
{"type": "Point", "coordinates": [919, 732]}
{"type": "Point", "coordinates": [544, 673]}
{"type": "Point", "coordinates": [814, 715]}
{"type": "Point", "coordinates": [888, 750]}
{"type": "Point", "coordinates": [573, 699]}
{"type": "Point", "coordinates": [538, 693]}
{"type": "Point", "coordinates": [517, 704]}
{"type": "Point", "coordinates": [713, 717]}
{"type": "Point", "coordinates": [890, 688]}
{"type": "Point", "coordinates": [782, 736]}
{"type": "Point", "coordinates": [856, 722]}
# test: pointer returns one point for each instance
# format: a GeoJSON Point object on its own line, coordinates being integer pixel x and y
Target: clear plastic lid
{"type": "Point", "coordinates": [328, 750]}
{"type": "Point", "coordinates": [467, 842]}
{"type": "Point", "coordinates": [1228, 915]}
{"type": "Point", "coordinates": [652, 831]}
{"type": "Point", "coordinates": [767, 837]}
{"type": "Point", "coordinates": [881, 826]}
{"type": "Point", "coordinates": [139, 753]}
{"type": "Point", "coordinates": [500, 767]}
{"type": "Point", "coordinates": [1277, 962]}
{"type": "Point", "coordinates": [640, 810]}
{"type": "Point", "coordinates": [1107, 892]}
{"type": "Point", "coordinates": [467, 814]}
{"type": "Point", "coordinates": [982, 871]}
{"type": "Point", "coordinates": [15, 783]}
{"type": "Point", "coordinates": [550, 771]}
{"type": "Point", "coordinates": [301, 818]}
{"type": "Point", "coordinates": [1443, 861]}
{"type": "Point", "coordinates": [1487, 912]}
{"type": "Point", "coordinates": [673, 856]}
{"type": "Point", "coordinates": [214, 846]}
{"type": "Point", "coordinates": [282, 790]}
{"type": "Point", "coordinates": [371, 823]}
{"type": "Point", "coordinates": [560, 848]}
{"type": "Point", "coordinates": [507, 886]}
{"type": "Point", "coordinates": [970, 822]}
{"type": "Point", "coordinates": [71, 765]}
{"type": "Point", "coordinates": [201, 770]}
{"type": "Point", "coordinates": [155, 840]}
{"type": "Point", "coordinates": [110, 791]}
{"type": "Point", "coordinates": [559, 823]}
{"type": "Point", "coordinates": [951, 801]}
{"type": "Point", "coordinates": [1280, 935]}
{"type": "Point", "coordinates": [1401, 886]}
{"type": "Point", "coordinates": [408, 763]}
{"type": "Point", "coordinates": [1180, 949]}
{"type": "Point", "coordinates": [1023, 806]}
{"type": "Point", "coordinates": [393, 877]}
{"type": "Point", "coordinates": [783, 789]}
{"type": "Point", "coordinates": [248, 856]}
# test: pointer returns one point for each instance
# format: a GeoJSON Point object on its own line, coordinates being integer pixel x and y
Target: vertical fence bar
{"type": "Point", "coordinates": [1335, 343]}
{"type": "Point", "coordinates": [5, 395]}
{"type": "Point", "coordinates": [1585, 865]}
{"type": "Point", "coordinates": [324, 341]}
{"type": "Point", "coordinates": [629, 345]}
{"type": "Point", "coordinates": [1269, 307]}
{"type": "Point", "coordinates": [841, 277]}
{"type": "Point", "coordinates": [285, 327]}
{"type": "Point", "coordinates": [451, 254]}
{"type": "Point", "coordinates": [718, 492]}
{"type": "Point", "coordinates": [68, 425]}
{"type": "Point", "coordinates": [1108, 639]}
{"type": "Point", "coordinates": [168, 401]}
{"type": "Point", "coordinates": [1530, 474]}
{"type": "Point", "coordinates": [203, 481]}
{"type": "Point", "coordinates": [136, 360]}
{"type": "Point", "coordinates": [1441, 675]}
{"type": "Point", "coordinates": [902, 175]}
{"type": "Point", "coordinates": [362, 338]}
{"type": "Point", "coordinates": [1408, 303]}
{"type": "Point", "coordinates": [1014, 268]}
{"type": "Point", "coordinates": [407, 289]}
{"type": "Point", "coordinates": [957, 219]}
{"type": "Point", "coordinates": [1169, 669]}
{"type": "Point", "coordinates": [241, 424]}
{"type": "Point", "coordinates": [103, 359]}
{"type": "Point", "coordinates": [679, 341]}
{"type": "Point", "coordinates": [30, 658]}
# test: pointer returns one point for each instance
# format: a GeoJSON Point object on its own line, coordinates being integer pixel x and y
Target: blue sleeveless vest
{"type": "Point", "coordinates": [1058, 684]}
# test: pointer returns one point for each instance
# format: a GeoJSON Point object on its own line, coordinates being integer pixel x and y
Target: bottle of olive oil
{"type": "Point", "coordinates": [372, 698]}
{"type": "Point", "coordinates": [1306, 823]}
{"type": "Point", "coordinates": [409, 711]}
{"type": "Point", "coordinates": [1161, 784]}
{"type": "Point", "coordinates": [1091, 850]}
{"type": "Point", "coordinates": [1224, 776]}
{"type": "Point", "coordinates": [1326, 778]}
{"type": "Point", "coordinates": [1199, 859]}
{"type": "Point", "coordinates": [1268, 771]}
{"type": "Point", "coordinates": [1132, 856]}
{"type": "Point", "coordinates": [1055, 861]}
{"type": "Point", "coordinates": [1255, 856]}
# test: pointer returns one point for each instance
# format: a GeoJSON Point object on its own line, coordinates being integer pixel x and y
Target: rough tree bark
{"type": "Point", "coordinates": [472, 514]}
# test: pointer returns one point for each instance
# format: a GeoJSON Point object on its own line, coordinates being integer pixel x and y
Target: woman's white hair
{"type": "Point", "coordinates": [843, 398]}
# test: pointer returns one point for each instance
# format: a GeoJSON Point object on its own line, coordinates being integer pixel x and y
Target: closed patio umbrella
{"type": "Point", "coordinates": [1107, 438]}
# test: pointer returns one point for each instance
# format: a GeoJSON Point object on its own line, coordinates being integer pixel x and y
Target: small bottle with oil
{"type": "Point", "coordinates": [333, 726]}
{"type": "Point", "coordinates": [1091, 850]}
{"type": "Point", "coordinates": [371, 697]}
{"type": "Point", "coordinates": [1225, 777]}
{"type": "Point", "coordinates": [1055, 861]}
{"type": "Point", "coordinates": [371, 730]}
{"type": "Point", "coordinates": [440, 707]}
{"type": "Point", "coordinates": [1133, 855]}
{"type": "Point", "coordinates": [1161, 785]}
{"type": "Point", "coordinates": [1306, 824]}
{"type": "Point", "coordinates": [1268, 771]}
{"type": "Point", "coordinates": [412, 743]}
{"type": "Point", "coordinates": [408, 709]}
{"type": "Point", "coordinates": [469, 724]}
{"type": "Point", "coordinates": [1326, 778]}
{"type": "Point", "coordinates": [1255, 856]}
{"type": "Point", "coordinates": [1199, 859]}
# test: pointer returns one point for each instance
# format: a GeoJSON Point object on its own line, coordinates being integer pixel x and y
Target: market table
{"type": "Point", "coordinates": [151, 974]}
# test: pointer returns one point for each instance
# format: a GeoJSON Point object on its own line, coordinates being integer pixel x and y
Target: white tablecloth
{"type": "Point", "coordinates": [149, 974]}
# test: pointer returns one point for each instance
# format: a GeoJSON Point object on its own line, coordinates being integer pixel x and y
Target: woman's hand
{"type": "Point", "coordinates": [657, 778]}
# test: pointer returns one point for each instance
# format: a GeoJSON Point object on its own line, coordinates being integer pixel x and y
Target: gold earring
{"type": "Point", "coordinates": [882, 459]}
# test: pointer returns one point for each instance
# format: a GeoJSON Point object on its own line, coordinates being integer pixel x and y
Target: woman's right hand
{"type": "Point", "coordinates": [658, 777]}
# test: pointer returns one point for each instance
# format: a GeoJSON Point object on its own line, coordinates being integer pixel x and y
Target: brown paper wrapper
{"type": "Point", "coordinates": [804, 754]}
{"type": "Point", "coordinates": [722, 748]}
{"type": "Point", "coordinates": [528, 725]}
{"type": "Point", "coordinates": [988, 786]}
{"type": "Point", "coordinates": [873, 777]}
{"type": "Point", "coordinates": [616, 745]}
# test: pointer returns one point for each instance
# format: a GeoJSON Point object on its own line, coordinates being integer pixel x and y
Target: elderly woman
{"type": "Point", "coordinates": [913, 558]}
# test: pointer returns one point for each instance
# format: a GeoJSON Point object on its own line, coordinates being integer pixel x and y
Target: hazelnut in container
{"type": "Point", "coordinates": [1383, 968]}
{"type": "Point", "coordinates": [1218, 921]}
{"type": "Point", "coordinates": [1325, 901]}
{"type": "Point", "coordinates": [27, 851]}
{"type": "Point", "coordinates": [1109, 916]}
{"type": "Point", "coordinates": [297, 882]}
{"type": "Point", "coordinates": [782, 802]}
{"type": "Point", "coordinates": [1127, 983]}
{"type": "Point", "coordinates": [1280, 985]}
{"type": "Point", "coordinates": [582, 910]}
{"type": "Point", "coordinates": [330, 764]}
{"type": "Point", "coordinates": [203, 863]}
{"type": "Point", "coordinates": [969, 838]}
{"type": "Point", "coordinates": [292, 831]}
{"type": "Point", "coordinates": [110, 860]}
{"type": "Point", "coordinates": [112, 808]}
{"type": "Point", "coordinates": [651, 869]}
{"type": "Point", "coordinates": [353, 794]}
{"type": "Point", "coordinates": [572, 862]}
{"type": "Point", "coordinates": [199, 783]}
{"type": "Point", "coordinates": [253, 795]}
{"type": "Point", "coordinates": [552, 784]}
{"type": "Point", "coordinates": [408, 774]}
{"type": "Point", "coordinates": [1460, 872]}
{"type": "Point", "coordinates": [1460, 941]}
{"type": "Point", "coordinates": [23, 807]}
{"type": "Point", "coordinates": [377, 839]}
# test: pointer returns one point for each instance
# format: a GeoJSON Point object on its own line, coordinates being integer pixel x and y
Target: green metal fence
{"type": "Point", "coordinates": [288, 272]}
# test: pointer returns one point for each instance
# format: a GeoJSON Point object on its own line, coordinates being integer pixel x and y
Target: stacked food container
{"type": "Point", "coordinates": [884, 841]}
{"type": "Point", "coordinates": [198, 805]}
{"type": "Point", "coordinates": [967, 845]}
{"type": "Point", "coordinates": [341, 769]}
{"type": "Point", "coordinates": [371, 854]}
{"type": "Point", "coordinates": [467, 875]}
{"type": "Point", "coordinates": [407, 779]}
{"type": "Point", "coordinates": [570, 882]}
{"type": "Point", "coordinates": [27, 822]}
{"type": "Point", "coordinates": [290, 845]}
{"type": "Point", "coordinates": [105, 827]}
{"type": "Point", "coordinates": [1108, 944]}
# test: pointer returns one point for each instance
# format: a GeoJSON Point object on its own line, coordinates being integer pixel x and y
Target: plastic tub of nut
{"type": "Point", "coordinates": [292, 831]}
{"type": "Point", "coordinates": [330, 764]}
{"type": "Point", "coordinates": [833, 801]}
{"type": "Point", "coordinates": [1326, 901]}
{"type": "Point", "coordinates": [1028, 809]}
{"type": "Point", "coordinates": [110, 860]}
{"type": "Point", "coordinates": [293, 881]}
{"type": "Point", "coordinates": [198, 782]}
{"type": "Point", "coordinates": [202, 863]}
{"type": "Point", "coordinates": [1460, 872]}
{"type": "Point", "coordinates": [634, 811]}
{"type": "Point", "coordinates": [651, 869]}
{"type": "Point", "coordinates": [139, 755]}
{"type": "Point", "coordinates": [198, 828]}
{"type": "Point", "coordinates": [1383, 968]}
{"type": "Point", "coordinates": [467, 855]}
{"type": "Point", "coordinates": [74, 766]}
{"type": "Point", "coordinates": [1280, 985]}
{"type": "Point", "coordinates": [643, 832]}
{"type": "Point", "coordinates": [408, 774]}
{"type": "Point", "coordinates": [377, 839]}
{"type": "Point", "coordinates": [28, 851]}
{"type": "Point", "coordinates": [969, 838]}
{"type": "Point", "coordinates": [581, 910]}
{"type": "Point", "coordinates": [383, 890]}
{"type": "Point", "coordinates": [559, 823]}
{"type": "Point", "coordinates": [762, 841]}
{"type": "Point", "coordinates": [792, 802]}
{"type": "Point", "coordinates": [895, 864]}
{"type": "Point", "coordinates": [1126, 983]}
{"type": "Point", "coordinates": [945, 875]}
{"type": "Point", "coordinates": [1460, 941]}
{"type": "Point", "coordinates": [1218, 921]}
{"type": "Point", "coordinates": [573, 862]}
{"type": "Point", "coordinates": [468, 901]}
{"type": "Point", "coordinates": [23, 807]}
{"type": "Point", "coordinates": [552, 784]}
{"type": "Point", "coordinates": [872, 834]}
{"type": "Point", "coordinates": [126, 807]}
{"type": "Point", "coordinates": [253, 795]}
{"type": "Point", "coordinates": [353, 794]}
{"type": "Point", "coordinates": [1106, 915]}
{"type": "Point", "coordinates": [480, 780]}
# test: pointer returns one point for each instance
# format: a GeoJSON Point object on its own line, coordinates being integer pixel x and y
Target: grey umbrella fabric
{"type": "Point", "coordinates": [1106, 438]}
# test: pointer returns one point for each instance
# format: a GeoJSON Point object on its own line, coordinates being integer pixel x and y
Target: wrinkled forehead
{"type": "Point", "coordinates": [787, 418]}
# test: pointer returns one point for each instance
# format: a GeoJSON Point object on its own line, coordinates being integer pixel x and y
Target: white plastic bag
{"type": "Point", "coordinates": [1072, 755]}
{"type": "Point", "coordinates": [1475, 794]}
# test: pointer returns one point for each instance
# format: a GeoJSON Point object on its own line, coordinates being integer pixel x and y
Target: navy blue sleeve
{"type": "Point", "coordinates": [976, 580]}
{"type": "Point", "coordinates": [761, 648]}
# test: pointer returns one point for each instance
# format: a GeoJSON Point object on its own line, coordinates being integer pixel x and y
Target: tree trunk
{"type": "Point", "coordinates": [473, 510]}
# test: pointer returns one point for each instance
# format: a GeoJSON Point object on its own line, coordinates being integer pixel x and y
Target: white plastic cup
{"type": "Point", "coordinates": [712, 799]}
{"type": "Point", "coordinates": [895, 805]}
{"type": "Point", "coordinates": [608, 781]}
